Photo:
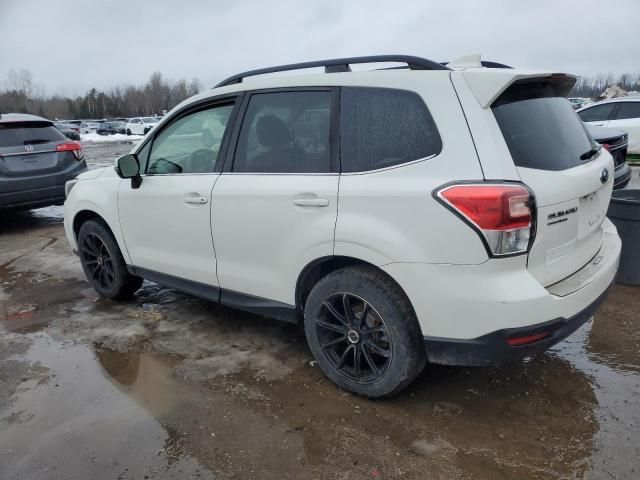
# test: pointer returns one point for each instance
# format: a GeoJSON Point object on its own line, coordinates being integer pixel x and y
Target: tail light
{"type": "Point", "coordinates": [607, 147]}
{"type": "Point", "coordinates": [71, 147]}
{"type": "Point", "coordinates": [500, 213]}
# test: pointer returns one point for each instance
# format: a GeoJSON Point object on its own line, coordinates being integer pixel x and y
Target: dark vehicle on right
{"type": "Point", "coordinates": [111, 128]}
{"type": "Point", "coordinates": [616, 142]}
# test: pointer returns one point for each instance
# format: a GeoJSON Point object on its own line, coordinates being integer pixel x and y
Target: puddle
{"type": "Point", "coordinates": [75, 423]}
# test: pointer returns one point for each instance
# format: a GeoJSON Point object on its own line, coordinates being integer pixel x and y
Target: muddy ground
{"type": "Point", "coordinates": [168, 386]}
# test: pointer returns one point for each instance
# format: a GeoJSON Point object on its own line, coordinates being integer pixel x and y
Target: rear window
{"type": "Point", "coordinates": [381, 127]}
{"type": "Point", "coordinates": [540, 128]}
{"type": "Point", "coordinates": [17, 134]}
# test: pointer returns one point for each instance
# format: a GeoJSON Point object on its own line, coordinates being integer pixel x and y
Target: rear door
{"type": "Point", "coordinates": [571, 180]}
{"type": "Point", "coordinates": [627, 118]}
{"type": "Point", "coordinates": [29, 155]}
{"type": "Point", "coordinates": [598, 115]}
{"type": "Point", "coordinates": [274, 209]}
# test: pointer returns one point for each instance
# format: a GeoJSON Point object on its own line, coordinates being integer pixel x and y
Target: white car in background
{"type": "Point", "coordinates": [620, 113]}
{"type": "Point", "coordinates": [141, 125]}
{"type": "Point", "coordinates": [88, 127]}
{"type": "Point", "coordinates": [579, 102]}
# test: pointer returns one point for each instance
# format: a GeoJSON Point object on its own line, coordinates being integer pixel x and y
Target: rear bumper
{"type": "Point", "coordinates": [494, 349]}
{"type": "Point", "coordinates": [622, 176]}
{"type": "Point", "coordinates": [23, 193]}
{"type": "Point", "coordinates": [467, 311]}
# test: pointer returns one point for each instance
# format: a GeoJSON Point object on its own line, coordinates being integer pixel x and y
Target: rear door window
{"type": "Point", "coordinates": [382, 127]}
{"type": "Point", "coordinates": [17, 134]}
{"type": "Point", "coordinates": [599, 113]}
{"type": "Point", "coordinates": [627, 110]}
{"type": "Point", "coordinates": [286, 132]}
{"type": "Point", "coordinates": [541, 129]}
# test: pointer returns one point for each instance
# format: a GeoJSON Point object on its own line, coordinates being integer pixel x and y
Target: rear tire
{"type": "Point", "coordinates": [377, 355]}
{"type": "Point", "coordinates": [103, 263]}
{"type": "Point", "coordinates": [128, 132]}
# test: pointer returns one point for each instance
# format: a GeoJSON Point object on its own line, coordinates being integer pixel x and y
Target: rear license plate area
{"type": "Point", "coordinates": [593, 211]}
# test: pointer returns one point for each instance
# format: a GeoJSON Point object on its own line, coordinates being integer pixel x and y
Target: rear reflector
{"type": "Point", "coordinates": [500, 213]}
{"type": "Point", "coordinates": [517, 341]}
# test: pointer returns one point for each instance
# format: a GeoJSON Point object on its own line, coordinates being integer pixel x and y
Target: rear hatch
{"type": "Point", "coordinates": [570, 174]}
{"type": "Point", "coordinates": [28, 149]}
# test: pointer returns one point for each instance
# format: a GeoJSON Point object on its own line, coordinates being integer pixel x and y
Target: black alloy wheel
{"type": "Point", "coordinates": [354, 337]}
{"type": "Point", "coordinates": [96, 256]}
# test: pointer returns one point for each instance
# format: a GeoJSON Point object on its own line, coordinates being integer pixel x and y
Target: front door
{"type": "Point", "coordinates": [166, 222]}
{"type": "Point", "coordinates": [275, 211]}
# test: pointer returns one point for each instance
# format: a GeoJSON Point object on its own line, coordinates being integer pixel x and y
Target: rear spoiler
{"type": "Point", "coordinates": [488, 85]}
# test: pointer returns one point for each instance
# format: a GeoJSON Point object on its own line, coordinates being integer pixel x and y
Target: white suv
{"type": "Point", "coordinates": [140, 125]}
{"type": "Point", "coordinates": [451, 214]}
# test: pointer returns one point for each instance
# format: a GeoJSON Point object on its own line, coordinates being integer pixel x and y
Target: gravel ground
{"type": "Point", "coordinates": [169, 386]}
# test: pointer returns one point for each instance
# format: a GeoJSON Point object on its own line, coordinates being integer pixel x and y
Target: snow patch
{"type": "Point", "coordinates": [117, 138]}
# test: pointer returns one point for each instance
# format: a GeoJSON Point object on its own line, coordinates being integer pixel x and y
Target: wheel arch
{"type": "Point", "coordinates": [85, 214]}
{"type": "Point", "coordinates": [321, 267]}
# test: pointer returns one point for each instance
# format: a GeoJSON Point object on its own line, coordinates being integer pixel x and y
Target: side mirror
{"type": "Point", "coordinates": [129, 167]}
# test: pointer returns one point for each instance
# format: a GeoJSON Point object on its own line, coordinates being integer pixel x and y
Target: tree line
{"type": "Point", "coordinates": [594, 86]}
{"type": "Point", "coordinates": [20, 94]}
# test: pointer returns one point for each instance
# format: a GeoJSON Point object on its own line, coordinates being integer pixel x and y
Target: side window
{"type": "Point", "coordinates": [285, 132]}
{"type": "Point", "coordinates": [382, 127]}
{"type": "Point", "coordinates": [628, 110]}
{"type": "Point", "coordinates": [190, 144]}
{"type": "Point", "coordinates": [598, 113]}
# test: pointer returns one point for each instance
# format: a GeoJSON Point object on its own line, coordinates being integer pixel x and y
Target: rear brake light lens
{"type": "Point", "coordinates": [500, 213]}
{"type": "Point", "coordinates": [71, 147]}
{"type": "Point", "coordinates": [607, 147]}
{"type": "Point", "coordinates": [68, 147]}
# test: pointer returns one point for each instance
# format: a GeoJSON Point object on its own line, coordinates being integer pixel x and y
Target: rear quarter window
{"type": "Point", "coordinates": [381, 127]}
{"type": "Point", "coordinates": [15, 134]}
{"type": "Point", "coordinates": [540, 128]}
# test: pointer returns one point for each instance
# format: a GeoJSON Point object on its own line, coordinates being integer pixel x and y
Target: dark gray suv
{"type": "Point", "coordinates": [36, 160]}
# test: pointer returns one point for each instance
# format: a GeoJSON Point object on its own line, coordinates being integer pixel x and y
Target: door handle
{"type": "Point", "coordinates": [195, 199]}
{"type": "Point", "coordinates": [311, 202]}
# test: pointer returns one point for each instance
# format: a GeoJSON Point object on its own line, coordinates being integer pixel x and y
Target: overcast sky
{"type": "Point", "coordinates": [71, 45]}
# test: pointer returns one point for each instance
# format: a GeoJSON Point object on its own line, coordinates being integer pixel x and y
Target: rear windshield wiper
{"type": "Point", "coordinates": [588, 155]}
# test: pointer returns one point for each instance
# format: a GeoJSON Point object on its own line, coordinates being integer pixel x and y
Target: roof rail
{"type": "Point", "coordinates": [487, 64]}
{"type": "Point", "coordinates": [339, 65]}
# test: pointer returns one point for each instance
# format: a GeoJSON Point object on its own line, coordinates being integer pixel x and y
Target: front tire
{"type": "Point", "coordinates": [128, 132]}
{"type": "Point", "coordinates": [363, 332]}
{"type": "Point", "coordinates": [103, 263]}
{"type": "Point", "coordinates": [146, 130]}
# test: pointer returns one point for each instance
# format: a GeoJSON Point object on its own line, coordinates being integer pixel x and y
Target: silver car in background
{"type": "Point", "coordinates": [36, 160]}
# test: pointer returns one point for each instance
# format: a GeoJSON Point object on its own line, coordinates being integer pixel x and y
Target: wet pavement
{"type": "Point", "coordinates": [169, 386]}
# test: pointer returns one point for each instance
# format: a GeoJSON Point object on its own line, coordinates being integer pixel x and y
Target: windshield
{"type": "Point", "coordinates": [150, 120]}
{"type": "Point", "coordinates": [541, 129]}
